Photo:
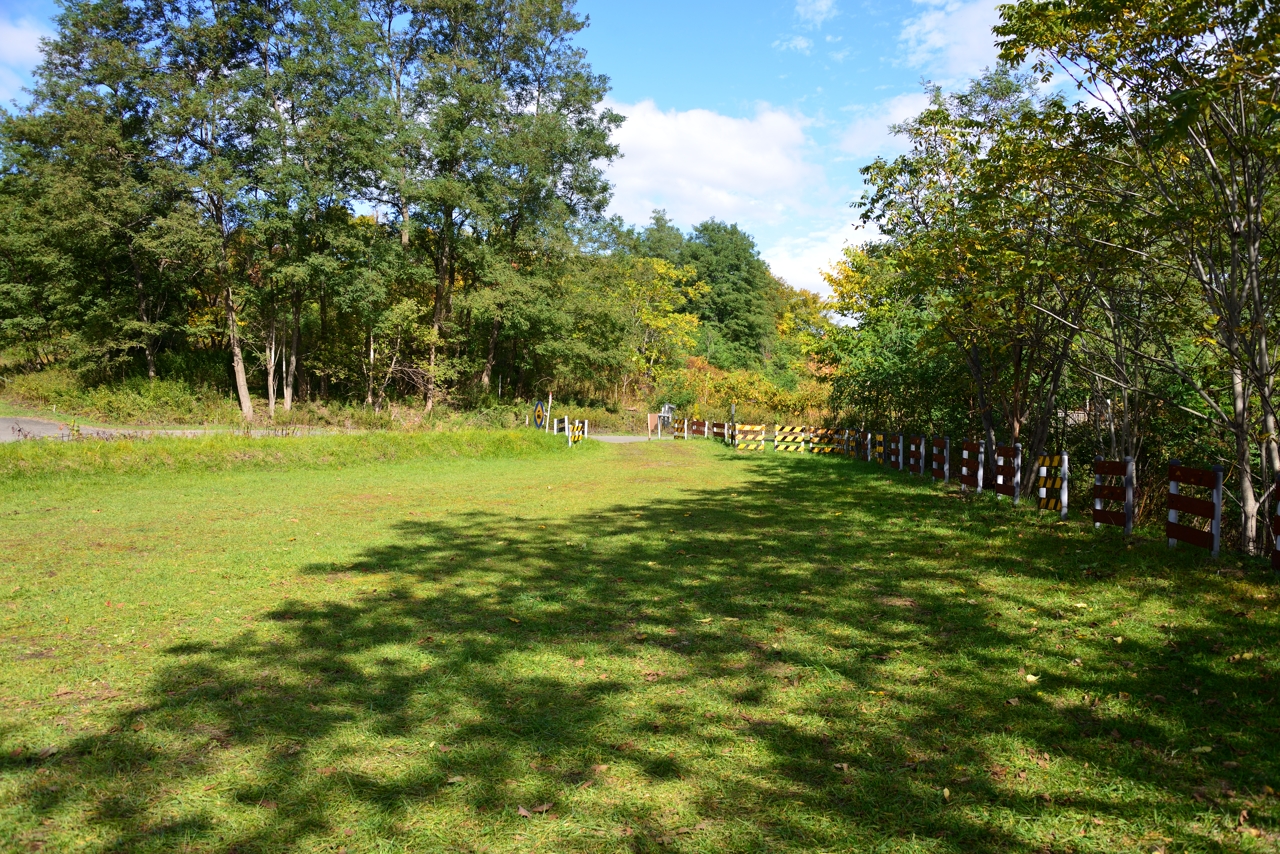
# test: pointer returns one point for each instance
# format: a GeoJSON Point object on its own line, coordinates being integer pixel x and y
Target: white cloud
{"type": "Point", "coordinates": [797, 43]}
{"type": "Point", "coordinates": [869, 136]}
{"type": "Point", "coordinates": [20, 42]}
{"type": "Point", "coordinates": [19, 54]}
{"type": "Point", "coordinates": [699, 164]}
{"type": "Point", "coordinates": [952, 38]}
{"type": "Point", "coordinates": [814, 12]}
{"type": "Point", "coordinates": [800, 260]}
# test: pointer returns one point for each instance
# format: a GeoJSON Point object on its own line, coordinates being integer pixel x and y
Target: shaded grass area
{"type": "Point", "coordinates": [28, 460]}
{"type": "Point", "coordinates": [666, 646]}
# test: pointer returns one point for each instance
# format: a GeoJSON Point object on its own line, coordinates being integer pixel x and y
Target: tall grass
{"type": "Point", "coordinates": [132, 401]}
{"type": "Point", "coordinates": [33, 460]}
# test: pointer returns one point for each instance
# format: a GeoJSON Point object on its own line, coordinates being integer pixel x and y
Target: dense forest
{"type": "Point", "coordinates": [326, 200]}
{"type": "Point", "coordinates": [323, 203]}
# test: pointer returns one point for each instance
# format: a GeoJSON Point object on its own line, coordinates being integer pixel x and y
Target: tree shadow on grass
{"type": "Point", "coordinates": [824, 659]}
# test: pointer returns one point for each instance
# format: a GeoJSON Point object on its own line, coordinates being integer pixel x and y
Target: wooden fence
{"type": "Point", "coordinates": [1103, 492]}
{"type": "Point", "coordinates": [916, 454]}
{"type": "Point", "coordinates": [1113, 480]}
{"type": "Point", "coordinates": [1210, 508]}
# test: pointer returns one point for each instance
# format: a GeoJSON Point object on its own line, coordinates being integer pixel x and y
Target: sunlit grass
{"type": "Point", "coordinates": [668, 647]}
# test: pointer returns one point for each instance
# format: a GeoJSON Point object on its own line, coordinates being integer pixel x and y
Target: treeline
{"type": "Point", "coordinates": [335, 200]}
{"type": "Point", "coordinates": [1095, 269]}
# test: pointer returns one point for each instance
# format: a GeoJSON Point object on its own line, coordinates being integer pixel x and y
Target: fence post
{"type": "Point", "coordinates": [568, 431]}
{"type": "Point", "coordinates": [1217, 509]}
{"type": "Point", "coordinates": [1062, 495]}
{"type": "Point", "coordinates": [982, 462]}
{"type": "Point", "coordinates": [1130, 481]}
{"type": "Point", "coordinates": [902, 451]}
{"type": "Point", "coordinates": [1097, 502]}
{"type": "Point", "coordinates": [1017, 472]}
{"type": "Point", "coordinates": [586, 429]}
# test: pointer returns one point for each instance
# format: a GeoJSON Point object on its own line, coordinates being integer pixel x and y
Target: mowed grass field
{"type": "Point", "coordinates": [651, 647]}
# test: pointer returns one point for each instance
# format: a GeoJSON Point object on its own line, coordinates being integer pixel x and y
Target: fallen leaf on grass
{"type": "Point", "coordinates": [1075, 662]}
{"type": "Point", "coordinates": [1205, 749]}
{"type": "Point", "coordinates": [599, 769]}
{"type": "Point", "coordinates": [1118, 639]}
{"type": "Point", "coordinates": [513, 619]}
{"type": "Point", "coordinates": [842, 766]}
{"type": "Point", "coordinates": [458, 779]}
{"type": "Point", "coordinates": [542, 808]}
{"type": "Point", "coordinates": [580, 662]}
{"type": "Point", "coordinates": [1159, 698]}
{"type": "Point", "coordinates": [707, 620]}
{"type": "Point", "coordinates": [1032, 679]}
{"type": "Point", "coordinates": [524, 813]}
{"type": "Point", "coordinates": [1012, 701]}
{"type": "Point", "coordinates": [327, 771]}
{"type": "Point", "coordinates": [946, 794]}
{"type": "Point", "coordinates": [267, 805]}
{"type": "Point", "coordinates": [48, 751]}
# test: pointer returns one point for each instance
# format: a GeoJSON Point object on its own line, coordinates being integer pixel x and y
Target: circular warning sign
{"type": "Point", "coordinates": [539, 415]}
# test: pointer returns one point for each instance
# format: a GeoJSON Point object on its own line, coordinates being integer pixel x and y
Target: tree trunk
{"type": "Point", "coordinates": [237, 358]}
{"type": "Point", "coordinates": [149, 344]}
{"type": "Point", "coordinates": [368, 394]}
{"type": "Point", "coordinates": [272, 358]}
{"type": "Point", "coordinates": [493, 354]}
{"type": "Point", "coordinates": [291, 369]}
{"type": "Point", "coordinates": [1244, 463]}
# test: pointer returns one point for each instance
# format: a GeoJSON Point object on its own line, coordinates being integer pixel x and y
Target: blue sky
{"type": "Point", "coordinates": [758, 112]}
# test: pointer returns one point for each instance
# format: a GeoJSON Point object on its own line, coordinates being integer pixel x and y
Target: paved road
{"type": "Point", "coordinates": [13, 429]}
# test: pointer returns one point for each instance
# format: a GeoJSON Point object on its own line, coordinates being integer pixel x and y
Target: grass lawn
{"type": "Point", "coordinates": [653, 647]}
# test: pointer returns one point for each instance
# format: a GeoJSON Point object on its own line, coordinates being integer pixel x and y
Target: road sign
{"type": "Point", "coordinates": [540, 415]}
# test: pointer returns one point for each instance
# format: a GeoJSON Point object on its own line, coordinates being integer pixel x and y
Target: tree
{"type": "Point", "coordinates": [738, 309]}
{"type": "Point", "coordinates": [1188, 91]}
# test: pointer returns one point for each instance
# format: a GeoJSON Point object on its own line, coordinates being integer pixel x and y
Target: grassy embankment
{"type": "Point", "coordinates": [57, 394]}
{"type": "Point", "coordinates": [646, 647]}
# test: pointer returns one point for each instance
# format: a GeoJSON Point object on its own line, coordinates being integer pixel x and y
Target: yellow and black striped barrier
{"type": "Point", "coordinates": [749, 437]}
{"type": "Point", "coordinates": [787, 438]}
{"type": "Point", "coordinates": [1051, 483]}
{"type": "Point", "coordinates": [823, 440]}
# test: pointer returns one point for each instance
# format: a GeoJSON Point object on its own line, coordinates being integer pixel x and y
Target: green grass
{"type": "Point", "coordinates": [676, 648]}
{"type": "Point", "coordinates": [39, 460]}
